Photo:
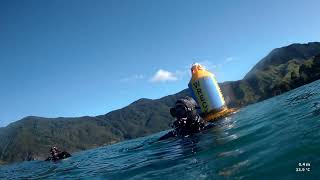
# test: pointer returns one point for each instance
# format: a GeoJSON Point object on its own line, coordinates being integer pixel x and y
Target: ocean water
{"type": "Point", "coordinates": [274, 139]}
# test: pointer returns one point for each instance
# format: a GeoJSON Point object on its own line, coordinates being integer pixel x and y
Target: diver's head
{"type": "Point", "coordinates": [53, 149]}
{"type": "Point", "coordinates": [184, 108]}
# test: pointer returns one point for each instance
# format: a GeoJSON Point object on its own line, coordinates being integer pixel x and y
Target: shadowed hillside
{"type": "Point", "coordinates": [30, 138]}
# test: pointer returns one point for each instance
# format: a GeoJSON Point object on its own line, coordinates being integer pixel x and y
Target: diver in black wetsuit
{"type": "Point", "coordinates": [56, 154]}
{"type": "Point", "coordinates": [188, 121]}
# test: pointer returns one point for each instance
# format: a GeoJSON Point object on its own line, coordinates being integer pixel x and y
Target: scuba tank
{"type": "Point", "coordinates": [206, 91]}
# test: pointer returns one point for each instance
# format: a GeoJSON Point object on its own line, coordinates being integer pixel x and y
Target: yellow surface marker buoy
{"type": "Point", "coordinates": [206, 91]}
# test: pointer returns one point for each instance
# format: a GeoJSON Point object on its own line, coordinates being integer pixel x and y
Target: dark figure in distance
{"type": "Point", "coordinates": [187, 121]}
{"type": "Point", "coordinates": [56, 154]}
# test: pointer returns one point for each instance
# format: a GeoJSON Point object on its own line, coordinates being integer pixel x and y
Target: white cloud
{"type": "Point", "coordinates": [229, 59]}
{"type": "Point", "coordinates": [180, 74]}
{"type": "Point", "coordinates": [163, 75]}
{"type": "Point", "coordinates": [133, 78]}
{"type": "Point", "coordinates": [209, 65]}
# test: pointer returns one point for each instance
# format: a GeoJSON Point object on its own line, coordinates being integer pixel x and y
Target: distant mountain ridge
{"type": "Point", "coordinates": [30, 138]}
{"type": "Point", "coordinates": [278, 56]}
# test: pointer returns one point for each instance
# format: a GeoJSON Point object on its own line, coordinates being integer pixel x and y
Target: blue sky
{"type": "Point", "coordinates": [76, 57]}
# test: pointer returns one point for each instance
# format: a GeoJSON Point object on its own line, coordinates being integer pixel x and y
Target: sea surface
{"type": "Point", "coordinates": [274, 139]}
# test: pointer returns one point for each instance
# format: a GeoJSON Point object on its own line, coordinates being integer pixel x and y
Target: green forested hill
{"type": "Point", "coordinates": [280, 71]}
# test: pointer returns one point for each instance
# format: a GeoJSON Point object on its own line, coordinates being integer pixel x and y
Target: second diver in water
{"type": "Point", "coordinates": [56, 154]}
{"type": "Point", "coordinates": [187, 121]}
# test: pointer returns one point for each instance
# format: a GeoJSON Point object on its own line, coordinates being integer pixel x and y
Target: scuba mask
{"type": "Point", "coordinates": [180, 111]}
{"type": "Point", "coordinates": [184, 107]}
